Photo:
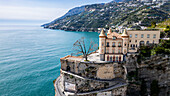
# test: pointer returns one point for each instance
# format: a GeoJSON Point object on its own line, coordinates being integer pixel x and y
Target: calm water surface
{"type": "Point", "coordinates": [29, 58]}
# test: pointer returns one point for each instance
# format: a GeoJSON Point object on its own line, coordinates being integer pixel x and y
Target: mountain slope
{"type": "Point", "coordinates": [111, 14]}
{"type": "Point", "coordinates": [74, 11]}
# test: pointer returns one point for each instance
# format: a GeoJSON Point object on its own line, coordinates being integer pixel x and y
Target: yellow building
{"type": "Point", "coordinates": [113, 46]}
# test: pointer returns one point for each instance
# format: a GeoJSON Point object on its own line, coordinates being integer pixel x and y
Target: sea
{"type": "Point", "coordinates": [30, 58]}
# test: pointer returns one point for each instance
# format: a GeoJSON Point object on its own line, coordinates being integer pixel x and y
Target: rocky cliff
{"type": "Point", "coordinates": [153, 69]}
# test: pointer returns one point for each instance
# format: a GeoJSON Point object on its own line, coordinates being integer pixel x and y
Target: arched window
{"type": "Point", "coordinates": [114, 37]}
{"type": "Point", "coordinates": [107, 50]}
{"type": "Point", "coordinates": [113, 45]}
{"type": "Point", "coordinates": [113, 58]}
{"type": "Point", "coordinates": [110, 58]}
{"type": "Point", "coordinates": [141, 43]}
{"type": "Point", "coordinates": [119, 58]}
{"type": "Point", "coordinates": [119, 44]}
{"type": "Point", "coordinates": [116, 58]}
{"type": "Point", "coordinates": [125, 51]}
{"type": "Point", "coordinates": [147, 42]}
{"type": "Point", "coordinates": [107, 58]}
{"type": "Point", "coordinates": [107, 44]}
{"type": "Point", "coordinates": [118, 50]}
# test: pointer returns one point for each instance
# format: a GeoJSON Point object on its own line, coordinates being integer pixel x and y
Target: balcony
{"type": "Point", "coordinates": [113, 46]}
{"type": "Point", "coordinates": [119, 45]}
{"type": "Point", "coordinates": [107, 46]}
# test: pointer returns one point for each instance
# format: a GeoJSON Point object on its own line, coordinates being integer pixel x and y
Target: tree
{"type": "Point", "coordinates": [153, 24]}
{"type": "Point", "coordinates": [82, 49]}
{"type": "Point", "coordinates": [167, 31]}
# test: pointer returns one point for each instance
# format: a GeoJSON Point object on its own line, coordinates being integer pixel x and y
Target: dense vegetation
{"type": "Point", "coordinates": [146, 51]}
{"type": "Point", "coordinates": [111, 14]}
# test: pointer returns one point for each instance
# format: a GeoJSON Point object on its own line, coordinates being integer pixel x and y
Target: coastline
{"type": "Point", "coordinates": [74, 30]}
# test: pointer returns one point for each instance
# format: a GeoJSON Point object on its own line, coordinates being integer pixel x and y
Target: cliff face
{"type": "Point", "coordinates": [92, 17]}
{"type": "Point", "coordinates": [155, 68]}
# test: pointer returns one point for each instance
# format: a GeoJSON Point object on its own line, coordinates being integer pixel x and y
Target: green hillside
{"type": "Point", "coordinates": [112, 14]}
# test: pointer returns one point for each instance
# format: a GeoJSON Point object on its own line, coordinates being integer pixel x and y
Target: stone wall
{"type": "Point", "coordinates": [86, 85]}
{"type": "Point", "coordinates": [157, 68]}
{"type": "Point", "coordinates": [107, 70]}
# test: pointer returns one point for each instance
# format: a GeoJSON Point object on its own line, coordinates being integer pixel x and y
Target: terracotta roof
{"type": "Point", "coordinates": [117, 35]}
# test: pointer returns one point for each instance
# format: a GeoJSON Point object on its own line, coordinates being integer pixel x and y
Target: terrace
{"type": "Point", "coordinates": [93, 57]}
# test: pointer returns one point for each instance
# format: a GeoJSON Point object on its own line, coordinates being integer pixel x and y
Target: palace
{"type": "Point", "coordinates": [114, 46]}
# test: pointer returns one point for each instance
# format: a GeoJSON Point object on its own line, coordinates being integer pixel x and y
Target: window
{"type": "Point", "coordinates": [136, 35]}
{"type": "Point", "coordinates": [133, 45]}
{"type": "Point", "coordinates": [125, 44]}
{"type": "Point", "coordinates": [114, 38]}
{"type": "Point", "coordinates": [113, 50]}
{"type": "Point", "coordinates": [116, 58]}
{"type": "Point", "coordinates": [130, 35]}
{"type": "Point", "coordinates": [147, 42]}
{"type": "Point", "coordinates": [136, 45]}
{"type": "Point", "coordinates": [119, 44]}
{"type": "Point", "coordinates": [153, 41]}
{"type": "Point", "coordinates": [119, 58]}
{"type": "Point", "coordinates": [102, 44]}
{"type": "Point", "coordinates": [110, 58]}
{"type": "Point", "coordinates": [119, 51]}
{"type": "Point", "coordinates": [135, 40]}
{"type": "Point", "coordinates": [129, 40]}
{"type": "Point", "coordinates": [141, 43]}
{"type": "Point", "coordinates": [142, 35]}
{"type": "Point", "coordinates": [107, 50]}
{"type": "Point", "coordinates": [125, 51]}
{"type": "Point", "coordinates": [154, 35]}
{"type": "Point", "coordinates": [148, 35]}
{"type": "Point", "coordinates": [107, 58]}
{"type": "Point", "coordinates": [113, 44]}
{"type": "Point", "coordinates": [113, 58]}
{"type": "Point", "coordinates": [107, 44]}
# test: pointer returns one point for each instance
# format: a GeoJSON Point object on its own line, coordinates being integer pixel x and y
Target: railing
{"type": "Point", "coordinates": [107, 46]}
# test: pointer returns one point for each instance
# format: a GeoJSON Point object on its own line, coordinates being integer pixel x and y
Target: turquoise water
{"type": "Point", "coordinates": [29, 58]}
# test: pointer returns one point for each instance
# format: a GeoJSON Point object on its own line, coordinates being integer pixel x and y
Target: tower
{"type": "Point", "coordinates": [110, 31]}
{"type": "Point", "coordinates": [102, 45]}
{"type": "Point", "coordinates": [125, 38]}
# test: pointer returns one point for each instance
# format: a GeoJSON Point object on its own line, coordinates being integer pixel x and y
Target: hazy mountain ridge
{"type": "Point", "coordinates": [92, 17]}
